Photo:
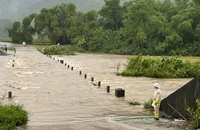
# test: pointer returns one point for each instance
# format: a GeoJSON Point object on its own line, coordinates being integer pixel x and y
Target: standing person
{"type": "Point", "coordinates": [156, 100]}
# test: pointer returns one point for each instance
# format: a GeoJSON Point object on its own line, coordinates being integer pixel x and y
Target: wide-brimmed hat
{"type": "Point", "coordinates": [156, 85]}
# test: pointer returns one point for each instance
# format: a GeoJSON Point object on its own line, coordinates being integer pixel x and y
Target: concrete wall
{"type": "Point", "coordinates": [177, 103]}
{"type": "Point", "coordinates": [2, 53]}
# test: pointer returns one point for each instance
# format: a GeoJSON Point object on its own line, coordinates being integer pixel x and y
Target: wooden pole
{"type": "Point", "coordinates": [108, 89]}
{"type": "Point", "coordinates": [9, 94]}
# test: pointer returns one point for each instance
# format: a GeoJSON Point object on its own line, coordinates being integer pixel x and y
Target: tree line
{"type": "Point", "coordinates": [147, 27]}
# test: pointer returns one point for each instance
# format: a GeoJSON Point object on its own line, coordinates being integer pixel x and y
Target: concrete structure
{"type": "Point", "coordinates": [176, 104]}
{"type": "Point", "coordinates": [2, 53]}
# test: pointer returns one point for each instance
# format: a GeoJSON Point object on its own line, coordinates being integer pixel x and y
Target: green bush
{"type": "Point", "coordinates": [12, 116]}
{"type": "Point", "coordinates": [58, 50]}
{"type": "Point", "coordinates": [195, 114]}
{"type": "Point", "coordinates": [147, 105]}
{"type": "Point", "coordinates": [173, 67]}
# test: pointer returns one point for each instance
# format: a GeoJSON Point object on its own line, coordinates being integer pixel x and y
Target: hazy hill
{"type": "Point", "coordinates": [3, 24]}
{"type": "Point", "coordinates": [18, 9]}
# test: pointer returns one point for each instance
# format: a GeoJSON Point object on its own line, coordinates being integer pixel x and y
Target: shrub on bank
{"type": "Point", "coordinates": [12, 116]}
{"type": "Point", "coordinates": [58, 50]}
{"type": "Point", "coordinates": [134, 103]}
{"type": "Point", "coordinates": [195, 114]}
{"type": "Point", "coordinates": [173, 67]}
{"type": "Point", "coordinates": [147, 105]}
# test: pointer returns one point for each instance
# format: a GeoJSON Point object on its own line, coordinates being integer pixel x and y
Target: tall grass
{"type": "Point", "coordinates": [168, 67]}
{"type": "Point", "coordinates": [12, 116]}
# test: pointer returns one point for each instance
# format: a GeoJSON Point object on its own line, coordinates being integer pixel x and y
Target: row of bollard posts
{"type": "Point", "coordinates": [13, 65]}
{"type": "Point", "coordinates": [119, 92]}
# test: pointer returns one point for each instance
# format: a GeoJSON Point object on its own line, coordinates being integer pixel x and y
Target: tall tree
{"type": "Point", "coordinates": [144, 25]}
{"type": "Point", "coordinates": [22, 32]}
{"type": "Point", "coordinates": [111, 14]}
{"type": "Point", "coordinates": [15, 32]}
{"type": "Point", "coordinates": [41, 23]}
{"type": "Point", "coordinates": [56, 22]}
{"type": "Point", "coordinates": [27, 29]}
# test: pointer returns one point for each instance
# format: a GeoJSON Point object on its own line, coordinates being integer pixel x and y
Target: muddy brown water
{"type": "Point", "coordinates": [59, 98]}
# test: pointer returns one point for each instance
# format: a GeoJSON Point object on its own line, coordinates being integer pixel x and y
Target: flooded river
{"type": "Point", "coordinates": [59, 98]}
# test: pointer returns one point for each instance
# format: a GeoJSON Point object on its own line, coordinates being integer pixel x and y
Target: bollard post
{"type": "Point", "coordinates": [13, 65]}
{"type": "Point", "coordinates": [80, 72]}
{"type": "Point", "coordinates": [9, 94]}
{"type": "Point", "coordinates": [99, 84]}
{"type": "Point", "coordinates": [85, 76]}
{"type": "Point", "coordinates": [108, 89]}
{"type": "Point", "coordinates": [92, 79]}
{"type": "Point", "coordinates": [72, 68]}
{"type": "Point", "coordinates": [68, 66]}
{"type": "Point", "coordinates": [65, 64]}
{"type": "Point", "coordinates": [61, 61]}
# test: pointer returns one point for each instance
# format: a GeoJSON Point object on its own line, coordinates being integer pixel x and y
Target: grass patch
{"type": "Point", "coordinates": [12, 116]}
{"type": "Point", "coordinates": [58, 50]}
{"type": "Point", "coordinates": [11, 48]}
{"type": "Point", "coordinates": [156, 67]}
{"type": "Point", "coordinates": [195, 114]}
{"type": "Point", "coordinates": [134, 103]}
{"type": "Point", "coordinates": [5, 40]}
{"type": "Point", "coordinates": [147, 105]}
{"type": "Point", "coordinates": [40, 47]}
{"type": "Point", "coordinates": [44, 41]}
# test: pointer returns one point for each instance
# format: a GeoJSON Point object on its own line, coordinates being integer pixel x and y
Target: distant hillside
{"type": "Point", "coordinates": [3, 24]}
{"type": "Point", "coordinates": [18, 9]}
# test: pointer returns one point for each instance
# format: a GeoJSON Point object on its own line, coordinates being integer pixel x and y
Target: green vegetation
{"type": "Point", "coordinates": [58, 50]}
{"type": "Point", "coordinates": [11, 49]}
{"type": "Point", "coordinates": [12, 116]}
{"type": "Point", "coordinates": [43, 41]}
{"type": "Point", "coordinates": [134, 103]}
{"type": "Point", "coordinates": [147, 27]}
{"type": "Point", "coordinates": [5, 39]}
{"type": "Point", "coordinates": [147, 105]}
{"type": "Point", "coordinates": [167, 67]}
{"type": "Point", "coordinates": [195, 114]}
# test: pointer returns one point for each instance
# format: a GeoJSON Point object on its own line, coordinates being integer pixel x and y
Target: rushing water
{"type": "Point", "coordinates": [57, 97]}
